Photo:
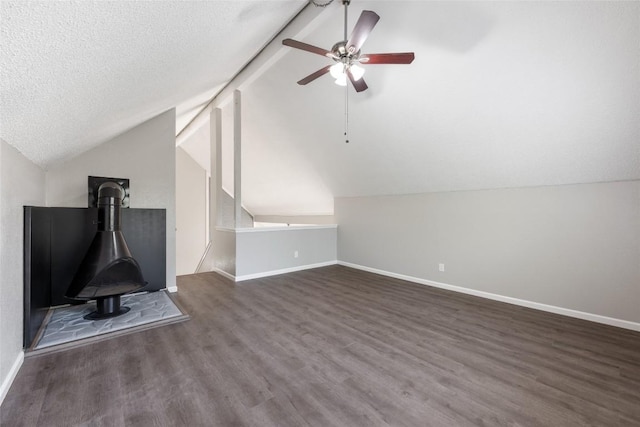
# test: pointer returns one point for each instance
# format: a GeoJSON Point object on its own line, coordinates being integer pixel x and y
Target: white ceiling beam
{"type": "Point", "coordinates": [307, 20]}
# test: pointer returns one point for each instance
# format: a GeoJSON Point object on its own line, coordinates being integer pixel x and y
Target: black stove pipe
{"type": "Point", "coordinates": [108, 269]}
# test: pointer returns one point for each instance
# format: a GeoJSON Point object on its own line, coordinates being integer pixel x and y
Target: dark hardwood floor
{"type": "Point", "coordinates": [338, 347]}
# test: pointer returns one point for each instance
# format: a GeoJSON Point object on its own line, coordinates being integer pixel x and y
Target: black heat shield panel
{"type": "Point", "coordinates": [37, 270]}
{"type": "Point", "coordinates": [72, 230]}
{"type": "Point", "coordinates": [56, 240]}
{"type": "Point", "coordinates": [146, 234]}
{"type": "Point", "coordinates": [143, 229]}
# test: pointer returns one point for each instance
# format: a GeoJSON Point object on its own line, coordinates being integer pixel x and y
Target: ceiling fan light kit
{"type": "Point", "coordinates": [336, 70]}
{"type": "Point", "coordinates": [339, 72]}
{"type": "Point", "coordinates": [341, 80]}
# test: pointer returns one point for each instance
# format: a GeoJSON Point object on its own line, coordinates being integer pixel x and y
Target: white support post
{"type": "Point", "coordinates": [215, 188]}
{"type": "Point", "coordinates": [237, 160]}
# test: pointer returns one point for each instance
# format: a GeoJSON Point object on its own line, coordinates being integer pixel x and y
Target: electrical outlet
{"type": "Point", "coordinates": [441, 267]}
{"type": "Point", "coordinates": [295, 254]}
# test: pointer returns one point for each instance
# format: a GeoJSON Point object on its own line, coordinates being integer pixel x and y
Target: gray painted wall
{"type": "Point", "coordinates": [264, 250]}
{"type": "Point", "coordinates": [145, 155]}
{"type": "Point", "coordinates": [21, 183]}
{"type": "Point", "coordinates": [572, 246]}
{"type": "Point", "coordinates": [191, 213]}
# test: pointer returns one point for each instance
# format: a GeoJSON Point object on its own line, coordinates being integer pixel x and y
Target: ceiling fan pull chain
{"type": "Point", "coordinates": [346, 114]}
{"type": "Point", "coordinates": [345, 3]}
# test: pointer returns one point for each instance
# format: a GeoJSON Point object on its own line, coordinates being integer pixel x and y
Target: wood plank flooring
{"type": "Point", "coordinates": [338, 347]}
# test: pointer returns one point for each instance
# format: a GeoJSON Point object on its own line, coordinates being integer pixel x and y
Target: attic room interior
{"type": "Point", "coordinates": [454, 242]}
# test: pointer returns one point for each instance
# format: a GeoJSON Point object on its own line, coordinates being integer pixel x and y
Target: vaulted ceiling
{"type": "Point", "coordinates": [501, 94]}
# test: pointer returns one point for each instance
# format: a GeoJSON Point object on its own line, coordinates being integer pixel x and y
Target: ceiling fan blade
{"type": "Point", "coordinates": [365, 24]}
{"type": "Point", "coordinates": [313, 76]}
{"type": "Point", "coordinates": [359, 85]}
{"type": "Point", "coordinates": [304, 46]}
{"type": "Point", "coordinates": [387, 58]}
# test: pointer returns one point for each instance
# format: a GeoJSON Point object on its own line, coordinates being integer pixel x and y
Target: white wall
{"type": "Point", "coordinates": [576, 247]}
{"type": "Point", "coordinates": [191, 213]}
{"type": "Point", "coordinates": [145, 155]}
{"type": "Point", "coordinates": [264, 251]}
{"type": "Point", "coordinates": [21, 183]}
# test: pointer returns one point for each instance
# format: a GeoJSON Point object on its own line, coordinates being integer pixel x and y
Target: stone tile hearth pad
{"type": "Point", "coordinates": [67, 324]}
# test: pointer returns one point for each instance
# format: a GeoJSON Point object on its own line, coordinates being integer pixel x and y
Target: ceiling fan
{"type": "Point", "coordinates": [347, 55]}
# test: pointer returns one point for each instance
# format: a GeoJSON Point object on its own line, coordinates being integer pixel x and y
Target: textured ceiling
{"type": "Point", "coordinates": [76, 73]}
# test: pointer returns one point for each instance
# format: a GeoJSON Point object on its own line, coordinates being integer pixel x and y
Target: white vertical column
{"type": "Point", "coordinates": [219, 195]}
{"type": "Point", "coordinates": [237, 160]}
{"type": "Point", "coordinates": [215, 187]}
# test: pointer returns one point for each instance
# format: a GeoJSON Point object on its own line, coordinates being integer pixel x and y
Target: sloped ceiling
{"type": "Point", "coordinates": [501, 94]}
{"type": "Point", "coordinates": [77, 73]}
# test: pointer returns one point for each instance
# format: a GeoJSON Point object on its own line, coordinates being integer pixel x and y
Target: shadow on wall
{"type": "Point", "coordinates": [226, 213]}
{"type": "Point", "coordinates": [453, 26]}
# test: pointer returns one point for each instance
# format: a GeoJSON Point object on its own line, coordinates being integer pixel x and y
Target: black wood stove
{"type": "Point", "coordinates": [108, 269]}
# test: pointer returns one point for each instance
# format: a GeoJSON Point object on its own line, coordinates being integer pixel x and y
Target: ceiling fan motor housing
{"type": "Point", "coordinates": [342, 54]}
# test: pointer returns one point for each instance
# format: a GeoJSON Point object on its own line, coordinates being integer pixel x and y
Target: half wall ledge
{"type": "Point", "coordinates": [266, 251]}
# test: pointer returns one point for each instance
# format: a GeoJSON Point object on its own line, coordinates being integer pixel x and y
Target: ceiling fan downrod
{"type": "Point", "coordinates": [345, 3]}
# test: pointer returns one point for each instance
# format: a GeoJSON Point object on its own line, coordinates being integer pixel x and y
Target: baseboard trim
{"type": "Point", "coordinates": [611, 321]}
{"type": "Point", "coordinates": [284, 271]}
{"type": "Point", "coordinates": [6, 383]}
{"type": "Point", "coordinates": [172, 289]}
{"type": "Point", "coordinates": [225, 274]}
